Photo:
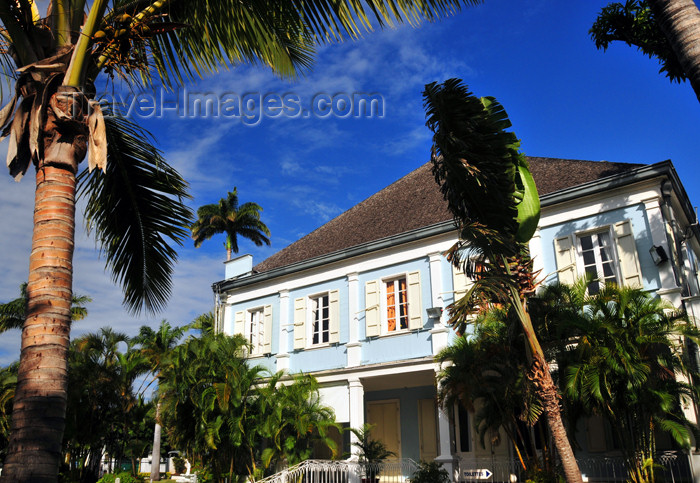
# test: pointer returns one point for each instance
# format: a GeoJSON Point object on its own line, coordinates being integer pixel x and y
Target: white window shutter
{"type": "Point", "coordinates": [239, 323]}
{"type": "Point", "coordinates": [372, 308]}
{"type": "Point", "coordinates": [627, 253]}
{"type": "Point", "coordinates": [566, 259]}
{"type": "Point", "coordinates": [300, 323]}
{"type": "Point", "coordinates": [267, 329]}
{"type": "Point", "coordinates": [415, 307]}
{"type": "Point", "coordinates": [334, 316]}
{"type": "Point", "coordinates": [460, 283]}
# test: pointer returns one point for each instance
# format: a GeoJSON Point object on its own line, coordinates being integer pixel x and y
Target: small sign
{"type": "Point", "coordinates": [481, 474]}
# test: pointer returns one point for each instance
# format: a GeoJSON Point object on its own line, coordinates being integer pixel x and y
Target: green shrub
{"type": "Point", "coordinates": [124, 477]}
{"type": "Point", "coordinates": [432, 472]}
{"type": "Point", "coordinates": [179, 464]}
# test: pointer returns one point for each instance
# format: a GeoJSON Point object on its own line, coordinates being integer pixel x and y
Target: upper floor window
{"type": "Point", "coordinates": [255, 332]}
{"type": "Point", "coordinates": [596, 256]}
{"type": "Point", "coordinates": [396, 304]}
{"type": "Point", "coordinates": [320, 320]}
{"type": "Point", "coordinates": [609, 253]}
{"type": "Point", "coordinates": [393, 304]}
{"type": "Point", "coordinates": [256, 326]}
{"type": "Point", "coordinates": [317, 320]}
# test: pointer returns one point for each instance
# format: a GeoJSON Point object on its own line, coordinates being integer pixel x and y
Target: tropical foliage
{"type": "Point", "coordinates": [135, 205]}
{"type": "Point", "coordinates": [488, 187]}
{"type": "Point", "coordinates": [487, 373]}
{"type": "Point", "coordinates": [628, 365]}
{"type": "Point", "coordinates": [235, 220]}
{"type": "Point", "coordinates": [665, 29]}
{"type": "Point", "coordinates": [156, 347]}
{"type": "Point", "coordinates": [235, 419]}
{"type": "Point", "coordinates": [13, 313]}
{"type": "Point", "coordinates": [620, 355]}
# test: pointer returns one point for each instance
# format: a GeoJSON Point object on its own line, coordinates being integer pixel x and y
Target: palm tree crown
{"type": "Point", "coordinates": [228, 217]}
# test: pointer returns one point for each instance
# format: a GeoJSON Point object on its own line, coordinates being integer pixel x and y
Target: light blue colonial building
{"type": "Point", "coordinates": [357, 303]}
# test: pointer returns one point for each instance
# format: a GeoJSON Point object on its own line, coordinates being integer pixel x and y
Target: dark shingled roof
{"type": "Point", "coordinates": [415, 201]}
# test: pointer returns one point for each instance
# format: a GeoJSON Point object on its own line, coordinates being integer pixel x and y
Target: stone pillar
{"type": "Point", "coordinates": [283, 349]}
{"type": "Point", "coordinates": [354, 346]}
{"type": "Point", "coordinates": [669, 288]}
{"type": "Point", "coordinates": [357, 409]}
{"type": "Point", "coordinates": [444, 441]}
{"type": "Point", "coordinates": [535, 246]}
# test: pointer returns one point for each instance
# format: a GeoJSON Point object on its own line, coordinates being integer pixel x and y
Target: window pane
{"type": "Point", "coordinates": [463, 416]}
{"type": "Point", "coordinates": [586, 242]}
{"type": "Point", "coordinates": [588, 257]}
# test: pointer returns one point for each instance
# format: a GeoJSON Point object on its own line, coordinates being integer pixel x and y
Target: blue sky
{"type": "Point", "coordinates": [565, 99]}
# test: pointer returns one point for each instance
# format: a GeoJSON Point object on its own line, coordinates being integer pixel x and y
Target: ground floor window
{"type": "Point", "coordinates": [463, 430]}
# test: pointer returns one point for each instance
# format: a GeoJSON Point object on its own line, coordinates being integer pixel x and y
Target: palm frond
{"type": "Point", "coordinates": [278, 34]}
{"type": "Point", "coordinates": [136, 209]}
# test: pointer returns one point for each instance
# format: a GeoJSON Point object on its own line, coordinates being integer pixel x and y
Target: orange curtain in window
{"type": "Point", "coordinates": [390, 307]}
{"type": "Point", "coordinates": [403, 310]}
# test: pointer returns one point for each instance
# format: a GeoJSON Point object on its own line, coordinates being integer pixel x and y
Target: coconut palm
{"type": "Point", "coordinates": [665, 29]}
{"type": "Point", "coordinates": [228, 217]}
{"type": "Point", "coordinates": [492, 196]}
{"type": "Point", "coordinates": [156, 346]}
{"type": "Point", "coordinates": [12, 313]}
{"type": "Point", "coordinates": [134, 200]}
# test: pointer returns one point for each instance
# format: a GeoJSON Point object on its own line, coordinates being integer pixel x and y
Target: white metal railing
{"type": "Point", "coordinates": [325, 471]}
{"type": "Point", "coordinates": [671, 466]}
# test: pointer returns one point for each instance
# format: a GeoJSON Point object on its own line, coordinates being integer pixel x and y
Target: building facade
{"type": "Point", "coordinates": [358, 302]}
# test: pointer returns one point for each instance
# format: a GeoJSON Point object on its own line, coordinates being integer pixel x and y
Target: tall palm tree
{"type": "Point", "coordinates": [493, 198]}
{"type": "Point", "coordinates": [13, 313]}
{"type": "Point", "coordinates": [486, 373]}
{"type": "Point", "coordinates": [156, 346]}
{"type": "Point", "coordinates": [228, 217]}
{"type": "Point", "coordinates": [135, 205]}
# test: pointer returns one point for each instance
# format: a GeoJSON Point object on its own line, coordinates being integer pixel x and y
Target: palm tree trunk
{"type": "Point", "coordinates": [679, 20]}
{"type": "Point", "coordinates": [39, 412]}
{"type": "Point", "coordinates": [155, 455]}
{"type": "Point", "coordinates": [547, 391]}
{"type": "Point", "coordinates": [38, 416]}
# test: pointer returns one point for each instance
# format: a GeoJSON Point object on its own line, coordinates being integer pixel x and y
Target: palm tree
{"type": "Point", "coordinates": [665, 29]}
{"type": "Point", "coordinates": [297, 420]}
{"type": "Point", "coordinates": [13, 313]}
{"type": "Point", "coordinates": [156, 346]}
{"type": "Point", "coordinates": [8, 382]}
{"type": "Point", "coordinates": [135, 204]}
{"type": "Point", "coordinates": [486, 373]}
{"type": "Point", "coordinates": [233, 220]}
{"type": "Point", "coordinates": [492, 196]}
{"type": "Point", "coordinates": [627, 365]}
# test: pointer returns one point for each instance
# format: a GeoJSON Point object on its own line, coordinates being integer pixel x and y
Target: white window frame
{"type": "Point", "coordinates": [384, 306]}
{"type": "Point", "coordinates": [458, 430]}
{"type": "Point", "coordinates": [310, 320]}
{"type": "Point", "coordinates": [257, 347]}
{"type": "Point", "coordinates": [580, 266]}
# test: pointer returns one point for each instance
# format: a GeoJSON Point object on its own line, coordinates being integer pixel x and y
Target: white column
{"type": "Point", "coordinates": [440, 331]}
{"type": "Point", "coordinates": [283, 351]}
{"type": "Point", "coordinates": [669, 289]}
{"type": "Point", "coordinates": [357, 409]}
{"type": "Point", "coordinates": [354, 346]}
{"type": "Point", "coordinates": [444, 447]}
{"type": "Point", "coordinates": [535, 246]}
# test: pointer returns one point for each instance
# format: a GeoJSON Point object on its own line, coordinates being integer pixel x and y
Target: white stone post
{"type": "Point", "coordinates": [354, 346]}
{"type": "Point", "coordinates": [283, 350]}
